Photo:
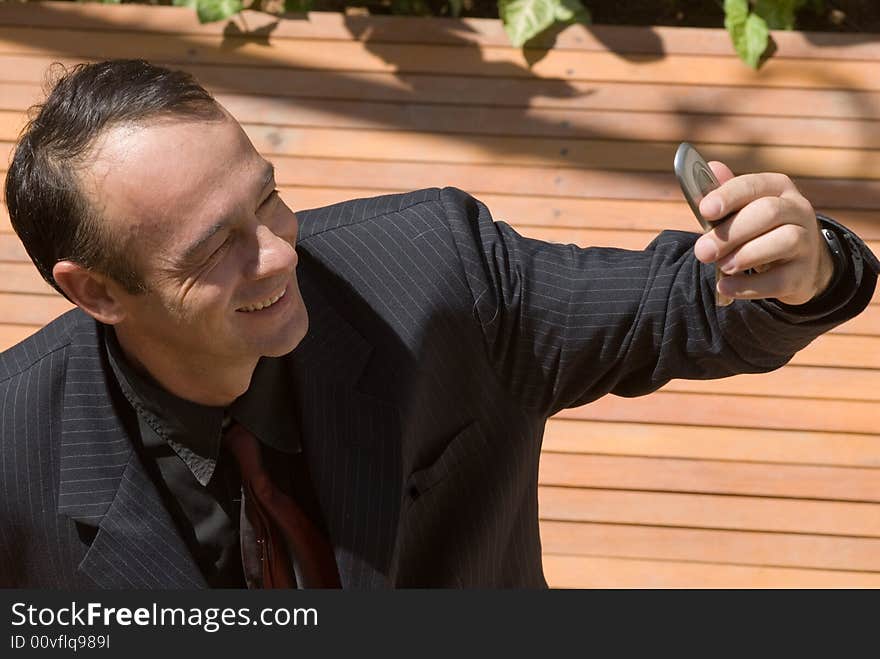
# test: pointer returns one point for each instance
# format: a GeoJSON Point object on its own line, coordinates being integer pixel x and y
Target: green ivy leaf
{"type": "Point", "coordinates": [455, 7]}
{"type": "Point", "coordinates": [749, 32]}
{"type": "Point", "coordinates": [572, 11]}
{"type": "Point", "coordinates": [755, 40]}
{"type": "Point", "coordinates": [216, 10]}
{"type": "Point", "coordinates": [735, 14]}
{"type": "Point", "coordinates": [185, 3]}
{"type": "Point", "coordinates": [524, 19]}
{"type": "Point", "coordinates": [779, 14]}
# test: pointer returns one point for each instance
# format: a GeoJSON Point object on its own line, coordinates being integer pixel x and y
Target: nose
{"type": "Point", "coordinates": [275, 254]}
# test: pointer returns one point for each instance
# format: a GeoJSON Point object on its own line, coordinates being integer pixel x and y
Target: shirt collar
{"type": "Point", "coordinates": [267, 408]}
{"type": "Point", "coordinates": [193, 430]}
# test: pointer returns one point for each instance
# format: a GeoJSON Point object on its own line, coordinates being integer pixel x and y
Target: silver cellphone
{"type": "Point", "coordinates": [697, 180]}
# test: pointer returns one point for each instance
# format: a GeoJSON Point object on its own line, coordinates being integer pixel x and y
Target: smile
{"type": "Point", "coordinates": [263, 305]}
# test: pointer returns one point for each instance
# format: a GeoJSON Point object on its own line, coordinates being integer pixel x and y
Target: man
{"type": "Point", "coordinates": [393, 373]}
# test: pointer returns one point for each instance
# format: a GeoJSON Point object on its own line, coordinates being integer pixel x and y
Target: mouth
{"type": "Point", "coordinates": [265, 304]}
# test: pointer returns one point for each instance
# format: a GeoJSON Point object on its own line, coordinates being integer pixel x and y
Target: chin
{"type": "Point", "coordinates": [290, 339]}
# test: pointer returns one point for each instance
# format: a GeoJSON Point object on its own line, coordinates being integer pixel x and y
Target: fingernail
{"type": "Point", "coordinates": [727, 266]}
{"type": "Point", "coordinates": [708, 249]}
{"type": "Point", "coordinates": [710, 207]}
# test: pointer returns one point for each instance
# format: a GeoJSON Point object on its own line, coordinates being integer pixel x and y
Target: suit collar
{"type": "Point", "coordinates": [95, 448]}
{"type": "Point", "coordinates": [103, 484]}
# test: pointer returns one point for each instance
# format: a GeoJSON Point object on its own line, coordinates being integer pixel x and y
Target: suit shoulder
{"type": "Point", "coordinates": [41, 344]}
{"type": "Point", "coordinates": [315, 221]}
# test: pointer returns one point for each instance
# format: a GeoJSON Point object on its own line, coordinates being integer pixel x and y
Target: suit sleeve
{"type": "Point", "coordinates": [564, 325]}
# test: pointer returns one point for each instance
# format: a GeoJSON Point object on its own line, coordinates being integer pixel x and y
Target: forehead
{"type": "Point", "coordinates": [160, 183]}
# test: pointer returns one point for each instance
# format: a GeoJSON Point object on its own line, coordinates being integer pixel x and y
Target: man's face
{"type": "Point", "coordinates": [196, 207]}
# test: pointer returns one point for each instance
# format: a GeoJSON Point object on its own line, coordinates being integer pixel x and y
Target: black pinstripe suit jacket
{"type": "Point", "coordinates": [439, 342]}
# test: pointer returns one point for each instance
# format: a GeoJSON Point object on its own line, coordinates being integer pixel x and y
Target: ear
{"type": "Point", "coordinates": [94, 293]}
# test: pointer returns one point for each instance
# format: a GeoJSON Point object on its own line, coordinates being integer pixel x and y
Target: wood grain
{"type": "Point", "coordinates": [711, 546]}
{"type": "Point", "coordinates": [710, 477]}
{"type": "Point", "coordinates": [609, 572]}
{"type": "Point", "coordinates": [669, 440]}
{"type": "Point", "coordinates": [710, 511]}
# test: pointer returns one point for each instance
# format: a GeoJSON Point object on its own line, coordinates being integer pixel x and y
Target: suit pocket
{"type": "Point", "coordinates": [462, 451]}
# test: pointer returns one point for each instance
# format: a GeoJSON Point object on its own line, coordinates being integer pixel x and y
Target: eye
{"type": "Point", "coordinates": [222, 248]}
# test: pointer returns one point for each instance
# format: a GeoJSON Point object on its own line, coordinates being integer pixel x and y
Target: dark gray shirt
{"type": "Point", "coordinates": [197, 478]}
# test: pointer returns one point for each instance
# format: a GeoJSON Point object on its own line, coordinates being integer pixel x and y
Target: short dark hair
{"type": "Point", "coordinates": [47, 207]}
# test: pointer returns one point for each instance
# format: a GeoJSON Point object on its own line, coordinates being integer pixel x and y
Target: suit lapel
{"type": "Point", "coordinates": [103, 484]}
{"type": "Point", "coordinates": [351, 437]}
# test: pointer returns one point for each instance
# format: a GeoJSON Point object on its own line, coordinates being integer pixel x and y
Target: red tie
{"type": "Point", "coordinates": [282, 529]}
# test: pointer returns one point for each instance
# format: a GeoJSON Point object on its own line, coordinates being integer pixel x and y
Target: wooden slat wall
{"type": "Point", "coordinates": [752, 481]}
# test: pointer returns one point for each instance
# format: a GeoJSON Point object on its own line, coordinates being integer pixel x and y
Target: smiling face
{"type": "Point", "coordinates": [196, 207]}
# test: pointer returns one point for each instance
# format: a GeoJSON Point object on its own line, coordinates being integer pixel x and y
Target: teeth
{"type": "Point", "coordinates": [267, 303]}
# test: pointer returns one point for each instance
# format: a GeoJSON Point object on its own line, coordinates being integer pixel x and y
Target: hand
{"type": "Point", "coordinates": [775, 231]}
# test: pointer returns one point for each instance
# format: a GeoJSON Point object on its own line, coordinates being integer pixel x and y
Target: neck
{"type": "Point", "coordinates": [196, 378]}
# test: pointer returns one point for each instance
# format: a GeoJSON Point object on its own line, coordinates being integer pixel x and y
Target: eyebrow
{"type": "Point", "coordinates": [191, 251]}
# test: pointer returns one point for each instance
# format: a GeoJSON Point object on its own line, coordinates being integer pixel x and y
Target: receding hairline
{"type": "Point", "coordinates": [112, 233]}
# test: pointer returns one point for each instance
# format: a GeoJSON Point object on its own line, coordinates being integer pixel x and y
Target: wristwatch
{"type": "Point", "coordinates": [837, 253]}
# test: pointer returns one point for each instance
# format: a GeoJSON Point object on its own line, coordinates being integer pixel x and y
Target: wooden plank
{"type": "Point", "coordinates": [12, 334]}
{"type": "Point", "coordinates": [541, 181]}
{"type": "Point", "coordinates": [608, 124]}
{"type": "Point", "coordinates": [712, 443]}
{"type": "Point", "coordinates": [604, 572]}
{"type": "Point", "coordinates": [25, 309]}
{"type": "Point", "coordinates": [11, 249]}
{"type": "Point", "coordinates": [866, 324]}
{"type": "Point", "coordinates": [552, 152]}
{"type": "Point", "coordinates": [571, 124]}
{"type": "Point", "coordinates": [840, 350]}
{"type": "Point", "coordinates": [709, 511]}
{"type": "Point", "coordinates": [17, 95]}
{"type": "Point", "coordinates": [794, 381]}
{"type": "Point", "coordinates": [542, 93]}
{"type": "Point", "coordinates": [656, 40]}
{"type": "Point", "coordinates": [734, 411]}
{"type": "Point", "coordinates": [22, 278]}
{"type": "Point", "coordinates": [18, 71]}
{"type": "Point", "coordinates": [710, 477]}
{"type": "Point", "coordinates": [310, 53]}
{"type": "Point", "coordinates": [704, 546]}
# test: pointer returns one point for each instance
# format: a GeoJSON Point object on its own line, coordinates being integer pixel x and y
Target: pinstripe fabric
{"type": "Point", "coordinates": [439, 342]}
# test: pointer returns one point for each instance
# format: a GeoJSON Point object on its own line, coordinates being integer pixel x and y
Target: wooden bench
{"type": "Point", "coordinates": [770, 480]}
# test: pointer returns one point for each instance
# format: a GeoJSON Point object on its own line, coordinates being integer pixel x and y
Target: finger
{"type": "Point", "coordinates": [757, 218]}
{"type": "Point", "coordinates": [740, 190]}
{"type": "Point", "coordinates": [777, 245]}
{"type": "Point", "coordinates": [722, 172]}
{"type": "Point", "coordinates": [773, 283]}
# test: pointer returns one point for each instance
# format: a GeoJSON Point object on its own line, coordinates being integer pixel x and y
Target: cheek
{"type": "Point", "coordinates": [215, 295]}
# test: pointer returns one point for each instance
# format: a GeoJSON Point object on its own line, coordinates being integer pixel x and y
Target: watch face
{"type": "Point", "coordinates": [695, 178]}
